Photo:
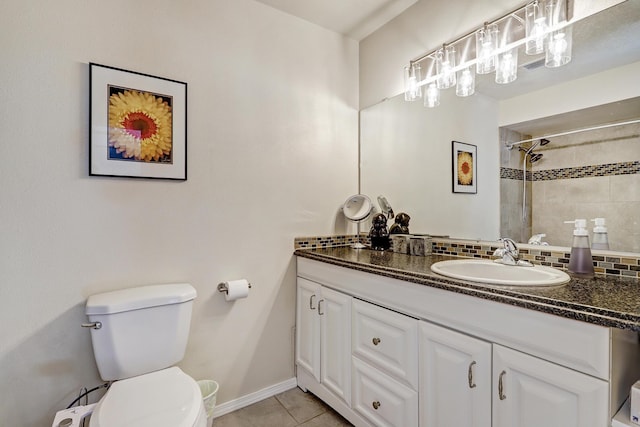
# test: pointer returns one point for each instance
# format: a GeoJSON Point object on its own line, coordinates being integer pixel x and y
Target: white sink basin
{"type": "Point", "coordinates": [494, 273]}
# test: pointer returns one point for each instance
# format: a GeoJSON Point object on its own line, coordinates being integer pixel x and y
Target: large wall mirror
{"type": "Point", "coordinates": [406, 149]}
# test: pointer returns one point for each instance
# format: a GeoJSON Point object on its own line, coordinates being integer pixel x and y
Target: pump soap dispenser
{"type": "Point", "coordinates": [600, 236]}
{"type": "Point", "coordinates": [580, 261]}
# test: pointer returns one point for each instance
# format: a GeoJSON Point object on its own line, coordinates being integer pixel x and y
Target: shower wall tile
{"type": "Point", "coordinates": [575, 190]}
{"type": "Point", "coordinates": [548, 218]}
{"type": "Point", "coordinates": [625, 188]}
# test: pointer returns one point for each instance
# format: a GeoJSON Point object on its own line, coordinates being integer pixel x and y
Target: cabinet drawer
{"type": "Point", "coordinates": [382, 400]}
{"type": "Point", "coordinates": [387, 340]}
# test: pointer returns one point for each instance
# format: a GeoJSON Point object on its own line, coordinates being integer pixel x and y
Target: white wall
{"type": "Point", "coordinates": [272, 153]}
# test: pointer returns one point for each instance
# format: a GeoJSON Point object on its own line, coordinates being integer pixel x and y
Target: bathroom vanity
{"type": "Point", "coordinates": [386, 342]}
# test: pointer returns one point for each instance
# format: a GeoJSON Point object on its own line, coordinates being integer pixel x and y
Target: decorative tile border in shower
{"type": "Point", "coordinates": [608, 169]}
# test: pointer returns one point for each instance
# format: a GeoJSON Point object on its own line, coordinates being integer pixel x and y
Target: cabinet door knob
{"type": "Point", "coordinates": [501, 394]}
{"type": "Point", "coordinates": [320, 313]}
{"type": "Point", "coordinates": [376, 405]}
{"type": "Point", "coordinates": [470, 374]}
{"type": "Point", "coordinates": [376, 341]}
{"type": "Point", "coordinates": [311, 302]}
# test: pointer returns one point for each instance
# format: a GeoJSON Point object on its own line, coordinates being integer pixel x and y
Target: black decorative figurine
{"type": "Point", "coordinates": [379, 234]}
{"type": "Point", "coordinates": [401, 226]}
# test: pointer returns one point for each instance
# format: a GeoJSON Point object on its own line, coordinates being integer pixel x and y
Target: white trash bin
{"type": "Point", "coordinates": [209, 389]}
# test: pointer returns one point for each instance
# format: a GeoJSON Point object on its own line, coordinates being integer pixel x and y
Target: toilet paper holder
{"type": "Point", "coordinates": [223, 287]}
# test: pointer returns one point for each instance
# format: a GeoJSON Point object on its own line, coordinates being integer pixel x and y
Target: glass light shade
{"type": "Point", "coordinates": [559, 48]}
{"type": "Point", "coordinates": [507, 66]}
{"type": "Point", "coordinates": [432, 96]}
{"type": "Point", "coordinates": [412, 77]}
{"type": "Point", "coordinates": [445, 63]}
{"type": "Point", "coordinates": [466, 85]}
{"type": "Point", "coordinates": [560, 39]}
{"type": "Point", "coordinates": [486, 45]}
{"type": "Point", "coordinates": [535, 27]}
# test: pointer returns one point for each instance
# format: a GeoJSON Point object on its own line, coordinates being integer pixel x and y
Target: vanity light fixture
{"type": "Point", "coordinates": [543, 26]}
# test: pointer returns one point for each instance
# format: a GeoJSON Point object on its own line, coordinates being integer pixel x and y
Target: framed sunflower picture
{"type": "Point", "coordinates": [138, 125]}
{"type": "Point", "coordinates": [465, 177]}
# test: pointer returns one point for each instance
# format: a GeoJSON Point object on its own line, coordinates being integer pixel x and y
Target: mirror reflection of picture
{"type": "Point", "coordinates": [464, 167]}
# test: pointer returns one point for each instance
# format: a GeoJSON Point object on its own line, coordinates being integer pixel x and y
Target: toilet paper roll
{"type": "Point", "coordinates": [237, 289]}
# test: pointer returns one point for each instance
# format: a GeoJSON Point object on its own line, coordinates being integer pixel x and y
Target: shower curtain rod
{"type": "Point", "coordinates": [510, 145]}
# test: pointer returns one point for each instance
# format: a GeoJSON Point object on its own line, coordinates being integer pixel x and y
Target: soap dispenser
{"type": "Point", "coordinates": [580, 261]}
{"type": "Point", "coordinates": [600, 236]}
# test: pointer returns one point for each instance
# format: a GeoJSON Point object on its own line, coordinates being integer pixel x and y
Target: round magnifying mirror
{"type": "Point", "coordinates": [357, 207]}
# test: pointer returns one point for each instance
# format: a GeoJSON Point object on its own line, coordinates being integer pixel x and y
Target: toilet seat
{"type": "Point", "coordinates": [166, 398]}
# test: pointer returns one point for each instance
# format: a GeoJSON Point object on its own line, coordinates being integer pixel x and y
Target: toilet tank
{"type": "Point", "coordinates": [143, 329]}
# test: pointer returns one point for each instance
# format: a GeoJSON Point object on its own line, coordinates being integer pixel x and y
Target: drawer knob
{"type": "Point", "coordinates": [376, 341]}
{"type": "Point", "coordinates": [376, 405]}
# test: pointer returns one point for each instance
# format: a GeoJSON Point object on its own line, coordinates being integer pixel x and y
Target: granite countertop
{"type": "Point", "coordinates": [609, 301]}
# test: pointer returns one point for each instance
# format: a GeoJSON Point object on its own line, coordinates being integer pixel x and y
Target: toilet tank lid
{"type": "Point", "coordinates": [139, 297]}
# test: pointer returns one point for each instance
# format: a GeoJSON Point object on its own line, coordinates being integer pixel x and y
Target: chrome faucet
{"type": "Point", "coordinates": [536, 239]}
{"type": "Point", "coordinates": [510, 254]}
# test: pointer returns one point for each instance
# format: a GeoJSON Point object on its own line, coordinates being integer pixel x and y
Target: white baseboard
{"type": "Point", "coordinates": [249, 399]}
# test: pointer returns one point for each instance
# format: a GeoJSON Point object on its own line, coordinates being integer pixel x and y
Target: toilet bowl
{"type": "Point", "coordinates": [166, 398]}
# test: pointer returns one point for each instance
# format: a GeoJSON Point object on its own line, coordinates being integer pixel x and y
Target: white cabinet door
{"type": "Point", "coordinates": [530, 392]}
{"type": "Point", "coordinates": [308, 327]}
{"type": "Point", "coordinates": [334, 310]}
{"type": "Point", "coordinates": [455, 379]}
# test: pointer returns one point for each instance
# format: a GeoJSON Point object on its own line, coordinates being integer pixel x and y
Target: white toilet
{"type": "Point", "coordinates": [138, 335]}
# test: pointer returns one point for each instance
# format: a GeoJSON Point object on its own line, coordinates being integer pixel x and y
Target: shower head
{"type": "Point", "coordinates": [544, 141]}
{"type": "Point", "coordinates": [535, 157]}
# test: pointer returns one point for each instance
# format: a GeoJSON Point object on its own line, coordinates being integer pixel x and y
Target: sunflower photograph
{"type": "Point", "coordinates": [138, 125]}
{"type": "Point", "coordinates": [464, 167]}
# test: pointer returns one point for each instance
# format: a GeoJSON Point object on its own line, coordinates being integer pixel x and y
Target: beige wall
{"type": "Point", "coordinates": [272, 153]}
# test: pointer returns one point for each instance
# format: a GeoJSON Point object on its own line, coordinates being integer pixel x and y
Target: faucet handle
{"type": "Point", "coordinates": [509, 245]}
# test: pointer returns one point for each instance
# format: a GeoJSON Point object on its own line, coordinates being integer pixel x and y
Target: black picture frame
{"type": "Point", "coordinates": [138, 125]}
{"type": "Point", "coordinates": [464, 172]}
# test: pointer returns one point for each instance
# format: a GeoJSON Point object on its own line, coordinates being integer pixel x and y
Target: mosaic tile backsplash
{"type": "Point", "coordinates": [605, 262]}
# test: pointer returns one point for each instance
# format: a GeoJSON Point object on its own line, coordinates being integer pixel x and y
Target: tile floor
{"type": "Point", "coordinates": [289, 409]}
